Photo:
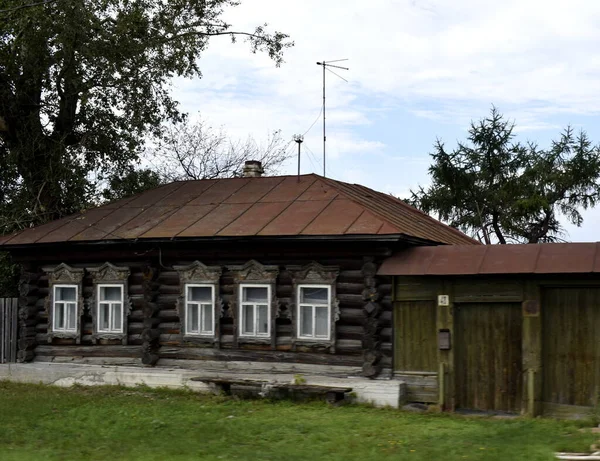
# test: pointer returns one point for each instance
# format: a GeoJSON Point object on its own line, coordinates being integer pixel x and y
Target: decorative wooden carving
{"type": "Point", "coordinates": [257, 273]}
{"type": "Point", "coordinates": [314, 274]}
{"type": "Point", "coordinates": [64, 274]}
{"type": "Point", "coordinates": [201, 274]}
{"type": "Point", "coordinates": [109, 274]}
{"type": "Point", "coordinates": [151, 332]}
{"type": "Point", "coordinates": [371, 340]}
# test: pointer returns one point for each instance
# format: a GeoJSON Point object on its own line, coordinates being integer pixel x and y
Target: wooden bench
{"type": "Point", "coordinates": [224, 384]}
{"type": "Point", "coordinates": [332, 394]}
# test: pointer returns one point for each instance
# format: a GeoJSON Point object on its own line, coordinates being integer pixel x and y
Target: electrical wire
{"type": "Point", "coordinates": [314, 123]}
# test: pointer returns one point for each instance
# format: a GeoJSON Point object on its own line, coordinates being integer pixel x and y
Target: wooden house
{"type": "Point", "coordinates": [252, 269]}
{"type": "Point", "coordinates": [503, 328]}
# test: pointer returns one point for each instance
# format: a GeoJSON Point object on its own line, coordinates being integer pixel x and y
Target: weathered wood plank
{"type": "Point", "coordinates": [89, 351]}
{"type": "Point", "coordinates": [204, 353]}
{"type": "Point", "coordinates": [488, 356]}
{"type": "Point", "coordinates": [420, 387]}
{"type": "Point", "coordinates": [571, 355]}
{"type": "Point", "coordinates": [416, 338]}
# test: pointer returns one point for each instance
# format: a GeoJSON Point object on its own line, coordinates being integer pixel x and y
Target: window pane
{"type": "Point", "coordinates": [71, 316]}
{"type": "Point", "coordinates": [306, 321]}
{"type": "Point", "coordinates": [313, 295]}
{"type": "Point", "coordinates": [200, 294]}
{"type": "Point", "coordinates": [207, 317]}
{"type": "Point", "coordinates": [263, 319]}
{"type": "Point", "coordinates": [192, 318]}
{"type": "Point", "coordinates": [322, 322]}
{"type": "Point", "coordinates": [117, 319]}
{"type": "Point", "coordinates": [256, 294]}
{"type": "Point", "coordinates": [110, 293]}
{"type": "Point", "coordinates": [103, 317]}
{"type": "Point", "coordinates": [248, 320]}
{"type": "Point", "coordinates": [65, 293]}
{"type": "Point", "coordinates": [59, 316]}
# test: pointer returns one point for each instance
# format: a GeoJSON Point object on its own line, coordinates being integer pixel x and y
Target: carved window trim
{"type": "Point", "coordinates": [198, 274]}
{"type": "Point", "coordinates": [187, 302]}
{"type": "Point", "coordinates": [121, 303]}
{"type": "Point", "coordinates": [65, 304]}
{"type": "Point", "coordinates": [314, 274]}
{"type": "Point", "coordinates": [241, 304]}
{"type": "Point", "coordinates": [107, 275]}
{"type": "Point", "coordinates": [64, 275]}
{"type": "Point", "coordinates": [313, 338]}
{"type": "Point", "coordinates": [254, 273]}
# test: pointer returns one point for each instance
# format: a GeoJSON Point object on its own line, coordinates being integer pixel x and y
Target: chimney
{"type": "Point", "coordinates": [253, 169]}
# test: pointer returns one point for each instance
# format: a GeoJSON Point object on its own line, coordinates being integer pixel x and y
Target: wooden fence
{"type": "Point", "coordinates": [8, 330]}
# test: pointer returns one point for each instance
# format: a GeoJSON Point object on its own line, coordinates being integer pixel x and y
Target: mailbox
{"type": "Point", "coordinates": [444, 340]}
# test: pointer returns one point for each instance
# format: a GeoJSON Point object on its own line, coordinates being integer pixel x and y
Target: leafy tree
{"type": "Point", "coordinates": [198, 151]}
{"type": "Point", "coordinates": [129, 183]}
{"type": "Point", "coordinates": [501, 190]}
{"type": "Point", "coordinates": [84, 82]}
{"type": "Point", "coordinates": [9, 276]}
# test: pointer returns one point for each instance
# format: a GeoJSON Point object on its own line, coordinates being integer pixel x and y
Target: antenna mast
{"type": "Point", "coordinates": [299, 139]}
{"type": "Point", "coordinates": [326, 66]}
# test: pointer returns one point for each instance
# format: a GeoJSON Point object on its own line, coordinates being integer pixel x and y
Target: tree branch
{"type": "Point", "coordinates": [29, 5]}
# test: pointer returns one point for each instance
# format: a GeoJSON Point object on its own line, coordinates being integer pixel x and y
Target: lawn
{"type": "Point", "coordinates": [111, 423]}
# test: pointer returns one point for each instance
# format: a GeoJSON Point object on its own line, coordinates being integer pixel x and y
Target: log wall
{"type": "Point", "coordinates": [363, 333]}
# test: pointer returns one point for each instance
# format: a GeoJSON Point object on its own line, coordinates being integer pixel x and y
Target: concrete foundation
{"type": "Point", "coordinates": [378, 392]}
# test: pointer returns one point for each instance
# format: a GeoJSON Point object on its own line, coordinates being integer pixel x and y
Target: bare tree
{"type": "Point", "coordinates": [199, 151]}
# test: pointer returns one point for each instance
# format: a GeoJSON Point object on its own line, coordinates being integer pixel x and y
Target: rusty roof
{"type": "Point", "coordinates": [307, 205]}
{"type": "Point", "coordinates": [547, 258]}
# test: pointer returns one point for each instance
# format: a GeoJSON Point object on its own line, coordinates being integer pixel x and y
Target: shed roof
{"type": "Point", "coordinates": [547, 258]}
{"type": "Point", "coordinates": [307, 205]}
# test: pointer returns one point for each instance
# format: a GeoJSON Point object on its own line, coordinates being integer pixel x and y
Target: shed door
{"type": "Point", "coordinates": [488, 356]}
{"type": "Point", "coordinates": [571, 345]}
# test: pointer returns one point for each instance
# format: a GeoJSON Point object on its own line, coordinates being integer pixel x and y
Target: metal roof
{"type": "Point", "coordinates": [307, 205]}
{"type": "Point", "coordinates": [547, 258]}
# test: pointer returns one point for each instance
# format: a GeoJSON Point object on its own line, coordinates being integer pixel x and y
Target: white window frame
{"type": "Point", "coordinates": [241, 311]}
{"type": "Point", "coordinates": [313, 337]}
{"type": "Point", "coordinates": [213, 290]}
{"type": "Point", "coordinates": [110, 310]}
{"type": "Point", "coordinates": [55, 302]}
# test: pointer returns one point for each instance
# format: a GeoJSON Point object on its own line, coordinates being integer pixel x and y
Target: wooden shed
{"type": "Point", "coordinates": [505, 328]}
{"type": "Point", "coordinates": [254, 269]}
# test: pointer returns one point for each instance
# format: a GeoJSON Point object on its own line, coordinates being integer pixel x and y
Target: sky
{"type": "Point", "coordinates": [418, 70]}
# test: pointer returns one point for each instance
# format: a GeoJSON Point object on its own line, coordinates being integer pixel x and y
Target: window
{"type": "Point", "coordinates": [255, 310]}
{"type": "Point", "coordinates": [65, 308]}
{"type": "Point", "coordinates": [110, 308]}
{"type": "Point", "coordinates": [200, 308]}
{"type": "Point", "coordinates": [314, 311]}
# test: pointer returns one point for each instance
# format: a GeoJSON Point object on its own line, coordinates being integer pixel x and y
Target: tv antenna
{"type": "Point", "coordinates": [327, 66]}
{"type": "Point", "coordinates": [299, 139]}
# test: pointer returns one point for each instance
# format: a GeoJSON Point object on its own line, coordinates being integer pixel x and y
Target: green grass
{"type": "Point", "coordinates": [111, 423]}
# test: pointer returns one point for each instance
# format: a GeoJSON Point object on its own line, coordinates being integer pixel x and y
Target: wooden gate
{"type": "Point", "coordinates": [415, 347]}
{"type": "Point", "coordinates": [571, 346]}
{"type": "Point", "coordinates": [488, 361]}
{"type": "Point", "coordinates": [8, 330]}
